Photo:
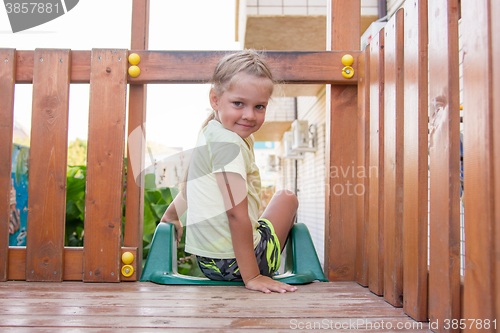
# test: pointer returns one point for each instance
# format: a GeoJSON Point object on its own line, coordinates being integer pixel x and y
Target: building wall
{"type": "Point", "coordinates": [393, 6]}
{"type": "Point", "coordinates": [310, 172]}
{"type": "Point", "coordinates": [301, 7]}
{"type": "Point", "coordinates": [280, 109]}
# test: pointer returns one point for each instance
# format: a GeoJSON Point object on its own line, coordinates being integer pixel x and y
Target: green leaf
{"type": "Point", "coordinates": [159, 210]}
{"type": "Point", "coordinates": [149, 180]}
{"type": "Point", "coordinates": [166, 194]}
{"type": "Point", "coordinates": [149, 220]}
{"type": "Point", "coordinates": [153, 196]}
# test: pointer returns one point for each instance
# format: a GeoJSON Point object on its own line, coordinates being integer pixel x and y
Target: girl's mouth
{"type": "Point", "coordinates": [244, 125]}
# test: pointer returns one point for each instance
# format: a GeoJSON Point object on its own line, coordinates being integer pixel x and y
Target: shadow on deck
{"type": "Point", "coordinates": [140, 307]}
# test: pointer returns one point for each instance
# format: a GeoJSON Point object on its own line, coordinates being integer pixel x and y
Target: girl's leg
{"type": "Point", "coordinates": [281, 212]}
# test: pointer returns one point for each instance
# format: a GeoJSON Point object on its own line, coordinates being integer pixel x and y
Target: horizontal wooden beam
{"type": "Point", "coordinates": [292, 67]}
{"type": "Point", "coordinates": [72, 263]}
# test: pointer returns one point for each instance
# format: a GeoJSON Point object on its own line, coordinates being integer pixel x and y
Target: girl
{"type": "Point", "coordinates": [222, 195]}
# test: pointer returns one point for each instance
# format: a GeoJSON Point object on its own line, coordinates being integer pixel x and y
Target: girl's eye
{"type": "Point", "coordinates": [237, 103]}
{"type": "Point", "coordinates": [260, 107]}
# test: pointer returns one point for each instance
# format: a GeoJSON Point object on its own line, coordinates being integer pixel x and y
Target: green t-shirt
{"type": "Point", "coordinates": [218, 150]}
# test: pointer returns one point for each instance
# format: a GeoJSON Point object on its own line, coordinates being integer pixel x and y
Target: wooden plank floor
{"type": "Point", "coordinates": [144, 307]}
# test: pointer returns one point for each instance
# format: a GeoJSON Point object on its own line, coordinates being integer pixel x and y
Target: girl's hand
{"type": "Point", "coordinates": [177, 224]}
{"type": "Point", "coordinates": [268, 285]}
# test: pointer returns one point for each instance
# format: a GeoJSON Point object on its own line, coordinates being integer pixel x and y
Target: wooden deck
{"type": "Point", "coordinates": [144, 307]}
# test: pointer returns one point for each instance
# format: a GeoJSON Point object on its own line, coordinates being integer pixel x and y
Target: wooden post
{"type": "Point", "coordinates": [444, 150]}
{"type": "Point", "coordinates": [7, 82]}
{"type": "Point", "coordinates": [481, 49]}
{"type": "Point", "coordinates": [48, 165]}
{"type": "Point", "coordinates": [376, 170]}
{"type": "Point", "coordinates": [341, 149]}
{"type": "Point", "coordinates": [362, 172]}
{"type": "Point", "coordinates": [134, 210]}
{"type": "Point", "coordinates": [105, 155]}
{"type": "Point", "coordinates": [415, 160]}
{"type": "Point", "coordinates": [393, 160]}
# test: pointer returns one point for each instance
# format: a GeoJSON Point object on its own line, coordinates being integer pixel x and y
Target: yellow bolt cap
{"type": "Point", "coordinates": [134, 59]}
{"type": "Point", "coordinates": [127, 270]}
{"type": "Point", "coordinates": [134, 71]}
{"type": "Point", "coordinates": [127, 258]}
{"type": "Point", "coordinates": [347, 60]}
{"type": "Point", "coordinates": [348, 72]}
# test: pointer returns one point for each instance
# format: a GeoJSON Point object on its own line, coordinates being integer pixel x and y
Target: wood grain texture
{"type": "Point", "coordinates": [362, 187]}
{"type": "Point", "coordinates": [146, 307]}
{"type": "Point", "coordinates": [48, 164]}
{"type": "Point", "coordinates": [196, 66]}
{"type": "Point", "coordinates": [393, 160]}
{"type": "Point", "coordinates": [140, 25]}
{"type": "Point", "coordinates": [495, 62]}
{"type": "Point", "coordinates": [135, 264]}
{"type": "Point", "coordinates": [376, 169]}
{"type": "Point", "coordinates": [72, 264]}
{"type": "Point", "coordinates": [105, 163]}
{"type": "Point", "coordinates": [481, 159]}
{"type": "Point", "coordinates": [444, 150]}
{"type": "Point", "coordinates": [7, 82]}
{"type": "Point", "coordinates": [80, 66]}
{"type": "Point", "coordinates": [415, 227]}
{"type": "Point", "coordinates": [341, 148]}
{"type": "Point", "coordinates": [17, 263]}
{"type": "Point", "coordinates": [134, 211]}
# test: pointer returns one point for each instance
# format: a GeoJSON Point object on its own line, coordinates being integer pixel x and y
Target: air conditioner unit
{"type": "Point", "coordinates": [272, 164]}
{"type": "Point", "coordinates": [287, 147]}
{"type": "Point", "coordinates": [304, 136]}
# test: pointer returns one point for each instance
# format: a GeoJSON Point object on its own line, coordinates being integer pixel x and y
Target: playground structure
{"type": "Point", "coordinates": [380, 117]}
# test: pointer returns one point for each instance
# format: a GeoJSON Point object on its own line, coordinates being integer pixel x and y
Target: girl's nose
{"type": "Point", "coordinates": [248, 114]}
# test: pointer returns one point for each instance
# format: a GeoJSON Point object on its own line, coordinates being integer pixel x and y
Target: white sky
{"type": "Point", "coordinates": [174, 112]}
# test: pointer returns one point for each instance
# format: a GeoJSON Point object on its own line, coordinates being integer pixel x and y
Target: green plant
{"type": "Point", "coordinates": [23, 160]}
{"type": "Point", "coordinates": [77, 152]}
{"type": "Point", "coordinates": [156, 201]}
{"type": "Point", "coordinates": [75, 205]}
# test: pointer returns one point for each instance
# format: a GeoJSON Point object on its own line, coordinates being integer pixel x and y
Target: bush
{"type": "Point", "coordinates": [156, 201]}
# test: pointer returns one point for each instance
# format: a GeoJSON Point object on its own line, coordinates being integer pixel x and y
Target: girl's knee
{"type": "Point", "coordinates": [289, 196]}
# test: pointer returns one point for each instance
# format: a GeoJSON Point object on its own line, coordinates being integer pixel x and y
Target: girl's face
{"type": "Point", "coordinates": [242, 108]}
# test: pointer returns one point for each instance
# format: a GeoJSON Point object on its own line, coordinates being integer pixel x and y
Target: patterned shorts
{"type": "Point", "coordinates": [267, 253]}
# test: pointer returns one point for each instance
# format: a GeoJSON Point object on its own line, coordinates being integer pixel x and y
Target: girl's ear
{"type": "Point", "coordinates": [214, 99]}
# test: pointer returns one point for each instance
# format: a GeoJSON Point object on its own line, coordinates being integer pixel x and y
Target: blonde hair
{"type": "Point", "coordinates": [247, 61]}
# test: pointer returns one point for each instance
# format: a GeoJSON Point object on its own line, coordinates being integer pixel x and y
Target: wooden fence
{"type": "Point", "coordinates": [51, 72]}
{"type": "Point", "coordinates": [409, 128]}
{"type": "Point", "coordinates": [402, 138]}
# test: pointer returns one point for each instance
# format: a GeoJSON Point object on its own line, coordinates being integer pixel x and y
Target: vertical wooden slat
{"type": "Point", "coordinates": [393, 160]}
{"type": "Point", "coordinates": [7, 83]}
{"type": "Point", "coordinates": [343, 24]}
{"type": "Point", "coordinates": [105, 154]}
{"type": "Point", "coordinates": [376, 169]}
{"type": "Point", "coordinates": [134, 211]}
{"type": "Point", "coordinates": [361, 189]}
{"type": "Point", "coordinates": [48, 162]}
{"type": "Point", "coordinates": [481, 158]}
{"type": "Point", "coordinates": [415, 160]}
{"type": "Point", "coordinates": [495, 66]}
{"type": "Point", "coordinates": [444, 150]}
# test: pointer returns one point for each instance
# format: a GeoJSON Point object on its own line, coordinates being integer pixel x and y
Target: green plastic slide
{"type": "Point", "coordinates": [301, 265]}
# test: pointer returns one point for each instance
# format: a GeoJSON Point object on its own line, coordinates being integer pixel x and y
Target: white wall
{"type": "Point", "coordinates": [310, 172]}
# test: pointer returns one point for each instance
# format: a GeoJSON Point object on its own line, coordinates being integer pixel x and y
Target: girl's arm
{"type": "Point", "coordinates": [173, 213]}
{"type": "Point", "coordinates": [233, 189]}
